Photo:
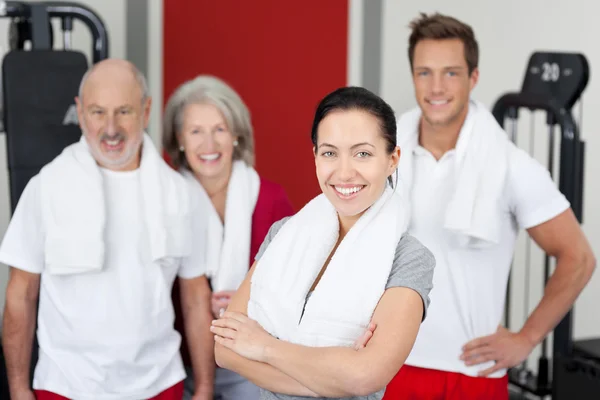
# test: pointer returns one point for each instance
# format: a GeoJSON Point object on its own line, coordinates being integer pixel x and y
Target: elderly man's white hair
{"type": "Point", "coordinates": [139, 77]}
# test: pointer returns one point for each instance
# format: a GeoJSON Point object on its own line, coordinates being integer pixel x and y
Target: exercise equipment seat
{"type": "Point", "coordinates": [40, 117]}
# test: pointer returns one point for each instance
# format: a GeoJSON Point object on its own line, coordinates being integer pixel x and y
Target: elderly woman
{"type": "Point", "coordinates": [208, 137]}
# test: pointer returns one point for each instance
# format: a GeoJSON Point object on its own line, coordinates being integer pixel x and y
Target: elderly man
{"type": "Point", "coordinates": [100, 234]}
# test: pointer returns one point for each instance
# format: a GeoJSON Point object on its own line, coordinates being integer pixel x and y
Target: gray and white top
{"type": "Point", "coordinates": [412, 268]}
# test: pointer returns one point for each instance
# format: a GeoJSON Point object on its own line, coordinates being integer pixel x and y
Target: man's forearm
{"type": "Point", "coordinates": [262, 375]}
{"type": "Point", "coordinates": [560, 293]}
{"type": "Point", "coordinates": [200, 343]}
{"type": "Point", "coordinates": [329, 371]}
{"type": "Point", "coordinates": [18, 328]}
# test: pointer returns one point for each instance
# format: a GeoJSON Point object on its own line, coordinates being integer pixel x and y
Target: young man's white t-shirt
{"type": "Point", "coordinates": [109, 334]}
{"type": "Point", "coordinates": [469, 285]}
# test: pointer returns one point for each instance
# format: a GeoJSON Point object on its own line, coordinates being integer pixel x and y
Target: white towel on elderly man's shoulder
{"type": "Point", "coordinates": [481, 166]}
{"type": "Point", "coordinates": [343, 302]}
{"type": "Point", "coordinates": [73, 209]}
{"type": "Point", "coordinates": [228, 244]}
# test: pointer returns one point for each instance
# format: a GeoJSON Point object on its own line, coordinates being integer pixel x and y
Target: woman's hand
{"type": "Point", "coordinates": [362, 341]}
{"type": "Point", "coordinates": [241, 335]}
{"type": "Point", "coordinates": [220, 302]}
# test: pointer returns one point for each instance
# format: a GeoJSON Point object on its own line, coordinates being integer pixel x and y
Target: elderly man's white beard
{"type": "Point", "coordinates": [129, 152]}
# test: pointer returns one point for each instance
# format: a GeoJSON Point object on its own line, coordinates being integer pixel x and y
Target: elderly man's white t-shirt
{"type": "Point", "coordinates": [469, 285]}
{"type": "Point", "coordinates": [108, 334]}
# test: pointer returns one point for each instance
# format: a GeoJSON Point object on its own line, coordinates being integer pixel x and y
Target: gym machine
{"type": "Point", "coordinates": [39, 85]}
{"type": "Point", "coordinates": [554, 83]}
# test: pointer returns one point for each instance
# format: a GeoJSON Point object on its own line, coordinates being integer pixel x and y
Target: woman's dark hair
{"type": "Point", "coordinates": [358, 98]}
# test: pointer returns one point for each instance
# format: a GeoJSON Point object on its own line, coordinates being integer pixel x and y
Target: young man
{"type": "Point", "coordinates": [471, 190]}
{"type": "Point", "coordinates": [100, 235]}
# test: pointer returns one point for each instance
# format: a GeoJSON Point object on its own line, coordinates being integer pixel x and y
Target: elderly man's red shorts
{"type": "Point", "coordinates": [175, 392]}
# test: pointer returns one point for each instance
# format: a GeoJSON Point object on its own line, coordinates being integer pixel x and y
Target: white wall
{"type": "Point", "coordinates": [508, 32]}
{"type": "Point", "coordinates": [113, 14]}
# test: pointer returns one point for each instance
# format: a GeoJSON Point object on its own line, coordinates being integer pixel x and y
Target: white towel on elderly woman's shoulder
{"type": "Point", "coordinates": [73, 209]}
{"type": "Point", "coordinates": [228, 245]}
{"type": "Point", "coordinates": [481, 166]}
{"type": "Point", "coordinates": [343, 302]}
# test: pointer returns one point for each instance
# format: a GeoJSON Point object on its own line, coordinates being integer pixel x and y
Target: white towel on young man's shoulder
{"type": "Point", "coordinates": [343, 302]}
{"type": "Point", "coordinates": [73, 209]}
{"type": "Point", "coordinates": [481, 166]}
{"type": "Point", "coordinates": [228, 245]}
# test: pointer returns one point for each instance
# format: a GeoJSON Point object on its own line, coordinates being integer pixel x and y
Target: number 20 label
{"type": "Point", "coordinates": [551, 72]}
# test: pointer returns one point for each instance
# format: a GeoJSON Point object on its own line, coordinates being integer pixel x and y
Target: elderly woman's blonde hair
{"type": "Point", "coordinates": [207, 89]}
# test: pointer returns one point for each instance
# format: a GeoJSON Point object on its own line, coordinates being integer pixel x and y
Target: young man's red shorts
{"type": "Point", "coordinates": [412, 383]}
{"type": "Point", "coordinates": [175, 392]}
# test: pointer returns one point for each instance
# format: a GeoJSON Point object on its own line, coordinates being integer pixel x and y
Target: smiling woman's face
{"type": "Point", "coordinates": [352, 161]}
{"type": "Point", "coordinates": [207, 141]}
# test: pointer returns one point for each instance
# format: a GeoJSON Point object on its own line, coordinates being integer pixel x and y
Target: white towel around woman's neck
{"type": "Point", "coordinates": [481, 165]}
{"type": "Point", "coordinates": [343, 302]}
{"type": "Point", "coordinates": [228, 245]}
{"type": "Point", "coordinates": [73, 209]}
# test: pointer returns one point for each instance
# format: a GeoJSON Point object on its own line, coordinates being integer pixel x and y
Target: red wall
{"type": "Point", "coordinates": [281, 56]}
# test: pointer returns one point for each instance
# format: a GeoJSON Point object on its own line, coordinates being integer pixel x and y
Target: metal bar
{"type": "Point", "coordinates": [40, 27]}
{"type": "Point", "coordinates": [513, 115]}
{"type": "Point", "coordinates": [67, 27]}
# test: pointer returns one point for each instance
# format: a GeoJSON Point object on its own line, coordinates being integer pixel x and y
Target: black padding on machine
{"type": "Point", "coordinates": [40, 117]}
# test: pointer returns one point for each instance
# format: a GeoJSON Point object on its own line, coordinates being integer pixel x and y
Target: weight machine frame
{"type": "Point", "coordinates": [67, 11]}
{"type": "Point", "coordinates": [571, 168]}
